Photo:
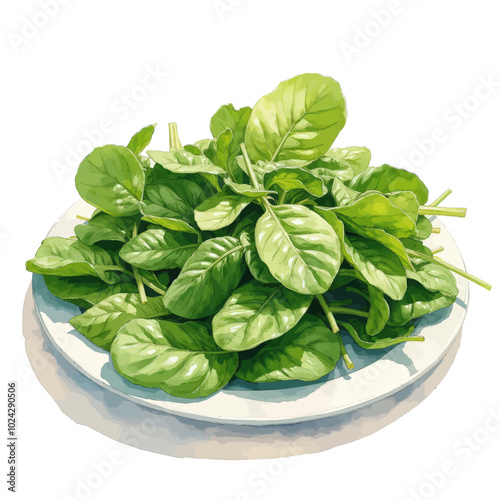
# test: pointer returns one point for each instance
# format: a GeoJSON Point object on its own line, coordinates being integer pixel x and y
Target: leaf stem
{"type": "Point", "coordinates": [282, 197]}
{"type": "Point", "coordinates": [175, 143]}
{"type": "Point", "coordinates": [436, 230]}
{"type": "Point", "coordinates": [137, 275]}
{"type": "Point", "coordinates": [81, 217]}
{"type": "Point", "coordinates": [453, 212]}
{"type": "Point", "coordinates": [474, 279]}
{"type": "Point", "coordinates": [441, 198]}
{"type": "Point", "coordinates": [336, 330]}
{"type": "Point", "coordinates": [437, 250]}
{"type": "Point", "coordinates": [153, 287]}
{"type": "Point", "coordinates": [348, 310]}
{"type": "Point", "coordinates": [248, 165]}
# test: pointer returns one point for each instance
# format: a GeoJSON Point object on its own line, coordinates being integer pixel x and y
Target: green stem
{"type": "Point", "coordinates": [441, 198]}
{"type": "Point", "coordinates": [137, 275]}
{"type": "Point", "coordinates": [212, 181]}
{"type": "Point", "coordinates": [436, 230]}
{"type": "Point", "coordinates": [348, 310]}
{"type": "Point", "coordinates": [117, 268]}
{"type": "Point", "coordinates": [248, 165]}
{"type": "Point", "coordinates": [335, 329]}
{"type": "Point", "coordinates": [453, 212]}
{"type": "Point", "coordinates": [437, 250]}
{"type": "Point", "coordinates": [81, 217]}
{"type": "Point", "coordinates": [175, 143]}
{"type": "Point", "coordinates": [153, 287]}
{"type": "Point", "coordinates": [282, 198]}
{"type": "Point", "coordinates": [460, 272]}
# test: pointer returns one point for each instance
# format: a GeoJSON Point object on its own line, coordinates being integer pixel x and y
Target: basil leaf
{"type": "Point", "coordinates": [370, 258]}
{"type": "Point", "coordinates": [417, 302]}
{"type": "Point", "coordinates": [65, 257]}
{"type": "Point", "coordinates": [288, 178]}
{"type": "Point", "coordinates": [299, 120]}
{"type": "Point", "coordinates": [140, 141]}
{"type": "Point", "coordinates": [257, 312]}
{"type": "Point", "coordinates": [307, 352]}
{"type": "Point", "coordinates": [357, 158]}
{"type": "Point", "coordinates": [85, 291]}
{"type": "Point", "coordinates": [111, 179]}
{"type": "Point", "coordinates": [181, 359]}
{"type": "Point", "coordinates": [388, 337]}
{"type": "Point", "coordinates": [220, 211]}
{"type": "Point", "coordinates": [184, 162]}
{"type": "Point", "coordinates": [101, 323]}
{"type": "Point", "coordinates": [300, 249]}
{"type": "Point", "coordinates": [104, 227]}
{"type": "Point", "coordinates": [157, 249]}
{"type": "Point", "coordinates": [387, 179]}
{"type": "Point", "coordinates": [257, 268]}
{"type": "Point", "coordinates": [207, 279]}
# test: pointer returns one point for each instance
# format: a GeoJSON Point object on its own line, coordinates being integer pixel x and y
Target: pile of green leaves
{"type": "Point", "coordinates": [234, 256]}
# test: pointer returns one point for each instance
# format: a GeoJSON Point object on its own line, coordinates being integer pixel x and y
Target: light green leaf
{"type": "Point", "coordinates": [111, 179]}
{"type": "Point", "coordinates": [184, 162]}
{"type": "Point", "coordinates": [342, 194]}
{"type": "Point", "coordinates": [387, 179]}
{"type": "Point", "coordinates": [207, 279]}
{"type": "Point", "coordinates": [406, 201]}
{"type": "Point", "coordinates": [424, 228]}
{"type": "Point", "coordinates": [307, 352]}
{"type": "Point", "coordinates": [247, 189]}
{"type": "Point", "coordinates": [220, 211]}
{"type": "Point", "coordinates": [140, 141]}
{"type": "Point", "coordinates": [157, 249]}
{"type": "Point", "coordinates": [358, 158]}
{"type": "Point", "coordinates": [101, 323]}
{"type": "Point", "coordinates": [288, 178]}
{"type": "Point", "coordinates": [68, 257]}
{"type": "Point", "coordinates": [257, 312]}
{"type": "Point", "coordinates": [299, 120]}
{"type": "Point", "coordinates": [181, 359]}
{"type": "Point", "coordinates": [300, 249]}
{"type": "Point", "coordinates": [104, 227]}
{"type": "Point", "coordinates": [257, 268]}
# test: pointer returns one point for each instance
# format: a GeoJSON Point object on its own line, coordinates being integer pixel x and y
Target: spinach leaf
{"type": "Point", "coordinates": [257, 312]}
{"type": "Point", "coordinates": [247, 189]}
{"type": "Point", "coordinates": [184, 162]}
{"type": "Point", "coordinates": [158, 249]}
{"type": "Point", "coordinates": [111, 179]}
{"type": "Point", "coordinates": [424, 228]}
{"type": "Point", "coordinates": [101, 323]}
{"type": "Point", "coordinates": [389, 336]}
{"type": "Point", "coordinates": [307, 352]}
{"type": "Point", "coordinates": [234, 119]}
{"type": "Point", "coordinates": [299, 120]}
{"type": "Point", "coordinates": [379, 311]}
{"type": "Point", "coordinates": [358, 158]}
{"type": "Point", "coordinates": [104, 227]}
{"type": "Point", "coordinates": [387, 179]}
{"type": "Point", "coordinates": [257, 268]}
{"type": "Point", "coordinates": [288, 178]}
{"type": "Point", "coordinates": [207, 279]}
{"type": "Point", "coordinates": [140, 141]}
{"type": "Point", "coordinates": [220, 211]}
{"type": "Point", "coordinates": [406, 201]}
{"type": "Point", "coordinates": [181, 359]}
{"type": "Point", "coordinates": [65, 257]}
{"type": "Point", "coordinates": [300, 249]}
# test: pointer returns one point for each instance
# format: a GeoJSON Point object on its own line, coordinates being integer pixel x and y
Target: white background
{"type": "Point", "coordinates": [402, 82]}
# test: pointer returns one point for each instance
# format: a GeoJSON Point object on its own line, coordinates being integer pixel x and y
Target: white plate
{"type": "Point", "coordinates": [378, 374]}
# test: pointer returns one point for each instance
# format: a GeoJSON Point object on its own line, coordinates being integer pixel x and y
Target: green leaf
{"type": "Point", "coordinates": [140, 141]}
{"type": "Point", "coordinates": [207, 279]}
{"type": "Point", "coordinates": [85, 291]}
{"type": "Point", "coordinates": [247, 189]}
{"type": "Point", "coordinates": [111, 179]}
{"type": "Point", "coordinates": [181, 359]}
{"type": "Point", "coordinates": [388, 337]}
{"type": "Point", "coordinates": [157, 249]}
{"type": "Point", "coordinates": [257, 312]}
{"type": "Point", "coordinates": [101, 323]}
{"type": "Point", "coordinates": [376, 211]}
{"type": "Point", "coordinates": [358, 158]}
{"type": "Point", "coordinates": [378, 313]}
{"type": "Point", "coordinates": [307, 352]}
{"type": "Point", "coordinates": [66, 257]}
{"type": "Point", "coordinates": [406, 201]}
{"type": "Point", "coordinates": [371, 259]}
{"type": "Point", "coordinates": [417, 302]}
{"type": "Point", "coordinates": [299, 120]}
{"type": "Point", "coordinates": [172, 206]}
{"type": "Point", "coordinates": [300, 249]}
{"type": "Point", "coordinates": [235, 119]}
{"type": "Point", "coordinates": [184, 162]}
{"type": "Point", "coordinates": [219, 151]}
{"type": "Point", "coordinates": [424, 228]}
{"type": "Point", "coordinates": [388, 179]}
{"type": "Point", "coordinates": [104, 227]}
{"type": "Point", "coordinates": [288, 178]}
{"type": "Point", "coordinates": [220, 211]}
{"type": "Point", "coordinates": [342, 194]}
{"type": "Point", "coordinates": [257, 268]}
